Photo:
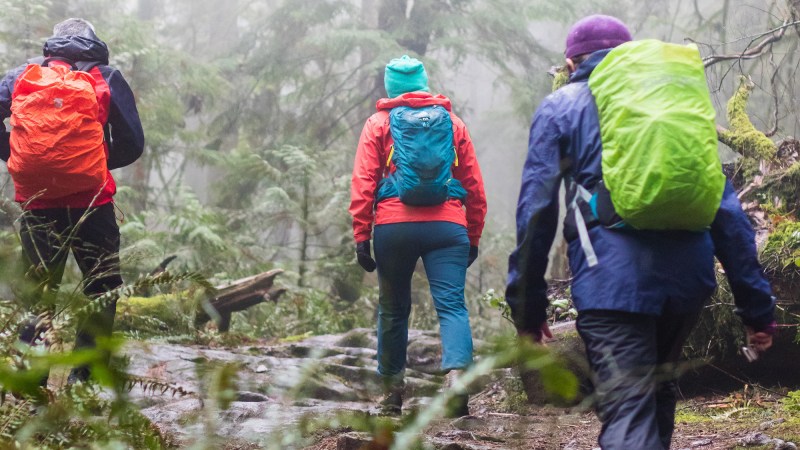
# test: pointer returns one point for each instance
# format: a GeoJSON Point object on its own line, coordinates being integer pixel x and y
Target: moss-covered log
{"type": "Point", "coordinates": [181, 312]}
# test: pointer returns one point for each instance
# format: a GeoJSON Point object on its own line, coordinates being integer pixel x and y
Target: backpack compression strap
{"type": "Point", "coordinates": [583, 232]}
{"type": "Point", "coordinates": [391, 153]}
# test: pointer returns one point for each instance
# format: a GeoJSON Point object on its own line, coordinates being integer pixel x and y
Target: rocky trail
{"type": "Point", "coordinates": [283, 388]}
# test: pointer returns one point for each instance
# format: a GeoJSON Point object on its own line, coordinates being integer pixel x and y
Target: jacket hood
{"type": "Point", "coordinates": [587, 67]}
{"type": "Point", "coordinates": [77, 48]}
{"type": "Point", "coordinates": [414, 100]}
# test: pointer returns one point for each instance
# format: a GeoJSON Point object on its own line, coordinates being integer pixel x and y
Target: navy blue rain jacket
{"type": "Point", "coordinates": [647, 272]}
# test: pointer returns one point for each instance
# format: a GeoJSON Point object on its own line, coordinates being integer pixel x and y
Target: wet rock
{"type": "Point", "coordinates": [451, 446]}
{"type": "Point", "coordinates": [253, 397]}
{"type": "Point", "coordinates": [241, 411]}
{"type": "Point", "coordinates": [280, 385]}
{"type": "Point", "coordinates": [176, 411]}
{"type": "Point", "coordinates": [359, 338]}
{"type": "Point", "coordinates": [328, 387]}
{"type": "Point", "coordinates": [424, 353]}
{"type": "Point", "coordinates": [306, 351]}
{"type": "Point", "coordinates": [754, 439]}
{"type": "Point", "coordinates": [353, 441]}
{"type": "Point", "coordinates": [468, 423]}
{"type": "Point", "coordinates": [770, 423]}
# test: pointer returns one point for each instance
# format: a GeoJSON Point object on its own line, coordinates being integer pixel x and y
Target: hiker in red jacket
{"type": "Point", "coordinates": [61, 174]}
{"type": "Point", "coordinates": [411, 219]}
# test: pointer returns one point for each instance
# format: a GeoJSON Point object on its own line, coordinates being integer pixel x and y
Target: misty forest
{"type": "Point", "coordinates": [245, 320]}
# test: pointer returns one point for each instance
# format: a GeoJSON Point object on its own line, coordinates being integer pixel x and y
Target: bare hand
{"type": "Point", "coordinates": [537, 335]}
{"type": "Point", "coordinates": [758, 341]}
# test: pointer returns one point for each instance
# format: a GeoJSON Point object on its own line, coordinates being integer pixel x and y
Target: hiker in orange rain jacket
{"type": "Point", "coordinates": [445, 235]}
{"type": "Point", "coordinates": [61, 173]}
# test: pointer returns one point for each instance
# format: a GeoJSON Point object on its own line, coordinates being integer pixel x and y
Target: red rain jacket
{"type": "Point", "coordinates": [370, 168]}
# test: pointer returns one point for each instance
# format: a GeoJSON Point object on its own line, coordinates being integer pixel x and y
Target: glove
{"type": "Point", "coordinates": [364, 256]}
{"type": "Point", "coordinates": [473, 255]}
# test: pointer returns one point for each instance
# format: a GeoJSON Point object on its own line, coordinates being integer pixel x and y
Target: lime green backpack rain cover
{"type": "Point", "coordinates": [657, 125]}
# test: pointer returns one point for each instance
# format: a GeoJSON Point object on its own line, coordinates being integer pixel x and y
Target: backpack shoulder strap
{"type": "Point", "coordinates": [49, 59]}
{"type": "Point", "coordinates": [82, 66]}
{"type": "Point", "coordinates": [86, 66]}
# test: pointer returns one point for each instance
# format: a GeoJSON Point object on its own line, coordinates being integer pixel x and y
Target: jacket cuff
{"type": "Point", "coordinates": [362, 236]}
{"type": "Point", "coordinates": [769, 328]}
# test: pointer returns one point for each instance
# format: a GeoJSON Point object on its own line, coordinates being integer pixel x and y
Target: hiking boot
{"type": "Point", "coordinates": [392, 403]}
{"type": "Point", "coordinates": [458, 405]}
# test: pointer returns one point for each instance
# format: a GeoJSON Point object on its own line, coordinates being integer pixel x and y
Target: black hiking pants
{"type": "Point", "coordinates": [633, 359]}
{"type": "Point", "coordinates": [47, 237]}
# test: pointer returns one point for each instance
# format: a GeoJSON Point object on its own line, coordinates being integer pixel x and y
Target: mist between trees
{"type": "Point", "coordinates": [252, 112]}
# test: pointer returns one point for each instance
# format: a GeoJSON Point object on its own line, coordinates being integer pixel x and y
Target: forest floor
{"type": "Point", "coordinates": [320, 394]}
{"type": "Point", "coordinates": [734, 421]}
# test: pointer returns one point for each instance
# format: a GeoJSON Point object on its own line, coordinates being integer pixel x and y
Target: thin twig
{"type": "Point", "coordinates": [750, 51]}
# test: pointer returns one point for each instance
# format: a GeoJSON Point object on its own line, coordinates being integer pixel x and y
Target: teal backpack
{"type": "Point", "coordinates": [660, 164]}
{"type": "Point", "coordinates": [423, 154]}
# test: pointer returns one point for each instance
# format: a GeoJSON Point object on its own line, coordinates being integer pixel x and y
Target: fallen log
{"type": "Point", "coordinates": [238, 296]}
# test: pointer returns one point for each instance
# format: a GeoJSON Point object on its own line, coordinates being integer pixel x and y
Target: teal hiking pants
{"type": "Point", "coordinates": [444, 249]}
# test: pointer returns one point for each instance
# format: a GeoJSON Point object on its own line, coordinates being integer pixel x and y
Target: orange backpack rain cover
{"type": "Point", "coordinates": [56, 138]}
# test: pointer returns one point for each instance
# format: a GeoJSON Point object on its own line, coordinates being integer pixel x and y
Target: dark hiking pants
{"type": "Point", "coordinates": [47, 237]}
{"type": "Point", "coordinates": [633, 359]}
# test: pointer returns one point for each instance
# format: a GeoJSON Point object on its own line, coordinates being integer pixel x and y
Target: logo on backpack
{"type": "Point", "coordinates": [57, 140]}
{"type": "Point", "coordinates": [423, 154]}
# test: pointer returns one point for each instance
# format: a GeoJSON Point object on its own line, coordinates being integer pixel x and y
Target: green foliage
{"type": "Point", "coordinates": [718, 329]}
{"type": "Point", "coordinates": [782, 250]}
{"type": "Point", "coordinates": [163, 314]}
{"type": "Point", "coordinates": [560, 78]}
{"type": "Point", "coordinates": [306, 311]}
{"type": "Point", "coordinates": [78, 418]}
{"type": "Point", "coordinates": [497, 302]}
{"type": "Point", "coordinates": [781, 260]}
{"type": "Point", "coordinates": [783, 187]}
{"type": "Point", "coordinates": [791, 403]}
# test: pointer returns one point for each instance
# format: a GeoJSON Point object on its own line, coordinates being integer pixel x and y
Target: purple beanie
{"type": "Point", "coordinates": [594, 33]}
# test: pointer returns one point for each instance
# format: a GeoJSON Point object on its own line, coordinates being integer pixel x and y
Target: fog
{"type": "Point", "coordinates": [252, 110]}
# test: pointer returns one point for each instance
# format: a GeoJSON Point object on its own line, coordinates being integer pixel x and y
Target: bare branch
{"type": "Point", "coordinates": [751, 51]}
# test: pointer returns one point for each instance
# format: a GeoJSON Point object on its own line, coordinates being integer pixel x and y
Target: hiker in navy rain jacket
{"type": "Point", "coordinates": [639, 303]}
{"type": "Point", "coordinates": [48, 224]}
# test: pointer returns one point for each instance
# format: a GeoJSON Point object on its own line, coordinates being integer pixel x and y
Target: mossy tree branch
{"type": "Point", "coordinates": [742, 136]}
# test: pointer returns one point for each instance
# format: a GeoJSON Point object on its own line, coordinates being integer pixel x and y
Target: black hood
{"type": "Point", "coordinates": [77, 48]}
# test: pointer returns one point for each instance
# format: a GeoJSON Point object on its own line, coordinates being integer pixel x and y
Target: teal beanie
{"type": "Point", "coordinates": [403, 75]}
